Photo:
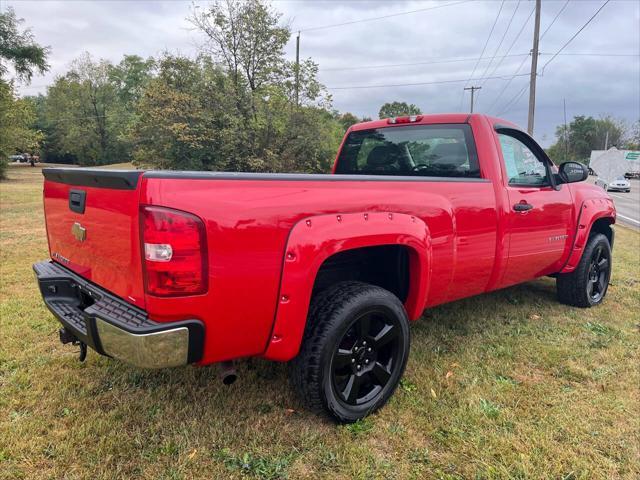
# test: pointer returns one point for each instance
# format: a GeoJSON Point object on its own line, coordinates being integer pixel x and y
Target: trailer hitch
{"type": "Point", "coordinates": [67, 337]}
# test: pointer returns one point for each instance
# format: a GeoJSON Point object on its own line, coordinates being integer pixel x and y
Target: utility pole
{"type": "Point", "coordinates": [297, 68]}
{"type": "Point", "coordinates": [566, 132]}
{"type": "Point", "coordinates": [606, 141]}
{"type": "Point", "coordinates": [534, 69]}
{"type": "Point", "coordinates": [473, 89]}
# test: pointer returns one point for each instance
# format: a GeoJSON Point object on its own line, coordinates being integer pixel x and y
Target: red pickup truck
{"type": "Point", "coordinates": [163, 268]}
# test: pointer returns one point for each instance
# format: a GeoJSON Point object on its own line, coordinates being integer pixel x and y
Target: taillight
{"type": "Point", "coordinates": [175, 252]}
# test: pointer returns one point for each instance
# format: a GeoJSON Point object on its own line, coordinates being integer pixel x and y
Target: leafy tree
{"type": "Point", "coordinates": [17, 118]}
{"type": "Point", "coordinates": [347, 119]}
{"type": "Point", "coordinates": [89, 109]}
{"type": "Point", "coordinates": [244, 35]}
{"type": "Point", "coordinates": [584, 134]}
{"type": "Point", "coordinates": [130, 77]}
{"type": "Point", "coordinates": [398, 109]}
{"type": "Point", "coordinates": [177, 117]}
{"type": "Point", "coordinates": [19, 48]}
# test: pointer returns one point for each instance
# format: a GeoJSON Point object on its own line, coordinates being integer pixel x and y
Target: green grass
{"type": "Point", "coordinates": [506, 385]}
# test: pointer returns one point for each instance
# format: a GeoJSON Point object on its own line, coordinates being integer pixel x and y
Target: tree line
{"type": "Point", "coordinates": [238, 105]}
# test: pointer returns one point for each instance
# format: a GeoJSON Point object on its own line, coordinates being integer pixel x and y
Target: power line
{"type": "Point", "coordinates": [495, 52]}
{"type": "Point", "coordinates": [554, 19]}
{"type": "Point", "coordinates": [393, 65]}
{"type": "Point", "coordinates": [517, 74]}
{"type": "Point", "coordinates": [526, 21]}
{"type": "Point", "coordinates": [513, 100]}
{"type": "Point", "coordinates": [594, 54]}
{"type": "Point", "coordinates": [438, 60]}
{"type": "Point", "coordinates": [574, 35]}
{"type": "Point", "coordinates": [484, 48]}
{"type": "Point", "coordinates": [322, 27]}
{"type": "Point", "coordinates": [415, 84]}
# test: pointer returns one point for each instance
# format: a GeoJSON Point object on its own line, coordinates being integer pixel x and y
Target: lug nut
{"type": "Point", "coordinates": [366, 361]}
{"type": "Point", "coordinates": [353, 360]}
{"type": "Point", "coordinates": [369, 349]}
{"type": "Point", "coordinates": [359, 367]}
{"type": "Point", "coordinates": [364, 343]}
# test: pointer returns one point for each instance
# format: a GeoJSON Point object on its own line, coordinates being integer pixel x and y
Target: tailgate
{"type": "Point", "coordinates": [93, 228]}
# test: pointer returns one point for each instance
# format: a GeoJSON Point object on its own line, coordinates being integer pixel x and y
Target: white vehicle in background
{"type": "Point", "coordinates": [620, 184]}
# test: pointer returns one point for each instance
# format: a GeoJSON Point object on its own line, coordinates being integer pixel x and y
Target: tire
{"type": "Point", "coordinates": [354, 351]}
{"type": "Point", "coordinates": [587, 285]}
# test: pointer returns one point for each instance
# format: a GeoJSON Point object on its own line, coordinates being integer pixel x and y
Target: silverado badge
{"type": "Point", "coordinates": [79, 232]}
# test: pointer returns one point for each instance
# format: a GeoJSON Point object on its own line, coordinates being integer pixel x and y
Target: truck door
{"type": "Point", "coordinates": [540, 217]}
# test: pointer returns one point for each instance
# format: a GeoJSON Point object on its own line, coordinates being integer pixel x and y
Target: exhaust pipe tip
{"type": "Point", "coordinates": [228, 373]}
{"type": "Point", "coordinates": [229, 378]}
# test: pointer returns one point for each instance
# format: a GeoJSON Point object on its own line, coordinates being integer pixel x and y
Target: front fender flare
{"type": "Point", "coordinates": [314, 239]}
{"type": "Point", "coordinates": [590, 211]}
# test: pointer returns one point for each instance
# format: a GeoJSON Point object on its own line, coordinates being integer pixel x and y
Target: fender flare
{"type": "Point", "coordinates": [590, 211]}
{"type": "Point", "coordinates": [314, 239]}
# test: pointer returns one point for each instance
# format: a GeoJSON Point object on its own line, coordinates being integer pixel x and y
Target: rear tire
{"type": "Point", "coordinates": [587, 285]}
{"type": "Point", "coordinates": [354, 351]}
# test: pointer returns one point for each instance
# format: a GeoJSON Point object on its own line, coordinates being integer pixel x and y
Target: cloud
{"type": "Point", "coordinates": [591, 85]}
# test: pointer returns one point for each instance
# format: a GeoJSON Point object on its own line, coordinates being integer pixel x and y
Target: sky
{"type": "Point", "coordinates": [456, 43]}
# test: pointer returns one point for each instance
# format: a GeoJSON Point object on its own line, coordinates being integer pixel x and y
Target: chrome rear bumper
{"type": "Point", "coordinates": [113, 327]}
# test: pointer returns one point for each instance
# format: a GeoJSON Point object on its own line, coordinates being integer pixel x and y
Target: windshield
{"type": "Point", "coordinates": [412, 150]}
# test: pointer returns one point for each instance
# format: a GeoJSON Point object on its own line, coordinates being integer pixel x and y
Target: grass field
{"type": "Point", "coordinates": [506, 385]}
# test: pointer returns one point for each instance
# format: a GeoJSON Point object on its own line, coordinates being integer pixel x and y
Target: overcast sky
{"type": "Point", "coordinates": [446, 40]}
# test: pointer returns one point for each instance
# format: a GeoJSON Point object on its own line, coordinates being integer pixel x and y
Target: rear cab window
{"type": "Point", "coordinates": [444, 150]}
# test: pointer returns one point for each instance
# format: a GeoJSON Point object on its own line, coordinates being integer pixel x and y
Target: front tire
{"type": "Point", "coordinates": [587, 285]}
{"type": "Point", "coordinates": [354, 351]}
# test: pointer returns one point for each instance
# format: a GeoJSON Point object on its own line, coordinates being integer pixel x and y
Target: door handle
{"type": "Point", "coordinates": [522, 207]}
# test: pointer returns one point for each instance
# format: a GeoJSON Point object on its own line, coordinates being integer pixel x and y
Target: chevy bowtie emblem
{"type": "Point", "coordinates": [79, 232]}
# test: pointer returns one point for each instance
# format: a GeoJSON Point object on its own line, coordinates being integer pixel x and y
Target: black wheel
{"type": "Point", "coordinates": [587, 285]}
{"type": "Point", "coordinates": [354, 351]}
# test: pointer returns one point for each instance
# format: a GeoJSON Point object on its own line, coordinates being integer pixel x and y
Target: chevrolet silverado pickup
{"type": "Point", "coordinates": [167, 268]}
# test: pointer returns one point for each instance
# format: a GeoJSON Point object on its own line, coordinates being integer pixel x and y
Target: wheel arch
{"type": "Point", "coordinates": [596, 215]}
{"type": "Point", "coordinates": [316, 240]}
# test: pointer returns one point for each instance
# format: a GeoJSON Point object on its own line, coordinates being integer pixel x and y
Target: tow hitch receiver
{"type": "Point", "coordinates": [67, 337]}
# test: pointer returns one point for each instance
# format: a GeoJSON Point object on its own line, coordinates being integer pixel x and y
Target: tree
{"type": "Point", "coordinates": [177, 117]}
{"type": "Point", "coordinates": [347, 119]}
{"type": "Point", "coordinates": [398, 109]}
{"type": "Point", "coordinates": [17, 118]}
{"type": "Point", "coordinates": [244, 35]}
{"type": "Point", "coordinates": [19, 48]}
{"type": "Point", "coordinates": [584, 134]}
{"type": "Point", "coordinates": [130, 77]}
{"type": "Point", "coordinates": [89, 109]}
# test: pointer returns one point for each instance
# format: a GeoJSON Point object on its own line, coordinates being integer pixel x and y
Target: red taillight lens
{"type": "Point", "coordinates": [175, 252]}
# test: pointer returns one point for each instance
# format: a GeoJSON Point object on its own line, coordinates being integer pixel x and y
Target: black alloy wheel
{"type": "Point", "coordinates": [598, 276]}
{"type": "Point", "coordinates": [366, 357]}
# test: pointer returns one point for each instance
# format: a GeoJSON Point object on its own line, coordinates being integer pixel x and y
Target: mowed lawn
{"type": "Point", "coordinates": [506, 385]}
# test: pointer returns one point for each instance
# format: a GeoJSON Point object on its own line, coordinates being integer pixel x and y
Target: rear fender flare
{"type": "Point", "coordinates": [590, 211]}
{"type": "Point", "coordinates": [314, 239]}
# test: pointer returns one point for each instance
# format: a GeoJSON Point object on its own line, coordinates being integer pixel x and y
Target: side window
{"type": "Point", "coordinates": [523, 167]}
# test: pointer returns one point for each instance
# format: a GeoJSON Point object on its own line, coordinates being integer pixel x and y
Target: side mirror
{"type": "Point", "coordinates": [571, 172]}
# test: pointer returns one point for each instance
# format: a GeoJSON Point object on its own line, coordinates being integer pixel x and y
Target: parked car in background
{"type": "Point", "coordinates": [620, 184]}
{"type": "Point", "coordinates": [17, 158]}
{"type": "Point", "coordinates": [162, 269]}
